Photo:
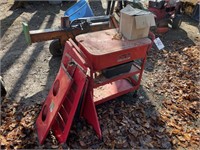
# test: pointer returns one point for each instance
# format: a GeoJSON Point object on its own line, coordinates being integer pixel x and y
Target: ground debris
{"type": "Point", "coordinates": [124, 124]}
{"type": "Point", "coordinates": [178, 80]}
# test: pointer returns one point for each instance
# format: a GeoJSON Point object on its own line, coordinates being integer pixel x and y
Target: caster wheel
{"type": "Point", "coordinates": [55, 48]}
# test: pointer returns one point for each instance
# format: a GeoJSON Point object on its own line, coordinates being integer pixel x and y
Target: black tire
{"type": "Point", "coordinates": [55, 48]}
{"type": "Point", "coordinates": [176, 22]}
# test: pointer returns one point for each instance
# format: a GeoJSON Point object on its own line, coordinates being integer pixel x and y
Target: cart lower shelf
{"type": "Point", "coordinates": [101, 80]}
{"type": "Point", "coordinates": [112, 90]}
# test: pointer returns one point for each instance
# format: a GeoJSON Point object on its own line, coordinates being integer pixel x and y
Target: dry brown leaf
{"type": "Point", "coordinates": [183, 144]}
{"type": "Point", "coordinates": [187, 136]}
{"type": "Point", "coordinates": [147, 125]}
{"type": "Point", "coordinates": [181, 138]}
{"type": "Point", "coordinates": [133, 132]}
{"type": "Point", "coordinates": [176, 131]}
{"type": "Point", "coordinates": [54, 146]}
{"type": "Point", "coordinates": [82, 143]}
{"type": "Point", "coordinates": [117, 36]}
{"type": "Point", "coordinates": [3, 140]}
{"type": "Point", "coordinates": [174, 125]}
{"type": "Point", "coordinates": [175, 141]}
{"type": "Point", "coordinates": [168, 102]}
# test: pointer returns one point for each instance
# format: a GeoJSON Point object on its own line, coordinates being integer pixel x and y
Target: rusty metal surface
{"type": "Point", "coordinates": [64, 35]}
{"type": "Point", "coordinates": [103, 42]}
{"type": "Point", "coordinates": [103, 51]}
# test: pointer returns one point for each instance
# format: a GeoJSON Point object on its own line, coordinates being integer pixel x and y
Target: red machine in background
{"type": "Point", "coordinates": [166, 11]}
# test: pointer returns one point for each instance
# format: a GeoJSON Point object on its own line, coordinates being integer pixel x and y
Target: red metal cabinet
{"type": "Point", "coordinates": [102, 50]}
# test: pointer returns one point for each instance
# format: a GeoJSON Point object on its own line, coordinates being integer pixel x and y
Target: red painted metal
{"type": "Point", "coordinates": [96, 51]}
{"type": "Point", "coordinates": [62, 101]}
{"type": "Point", "coordinates": [162, 30]}
{"type": "Point", "coordinates": [89, 112]}
{"type": "Point", "coordinates": [112, 90]}
{"type": "Point", "coordinates": [160, 13]}
{"type": "Point", "coordinates": [71, 51]}
{"type": "Point", "coordinates": [164, 10]}
{"type": "Point", "coordinates": [103, 51]}
{"type": "Point", "coordinates": [101, 80]}
{"type": "Point", "coordinates": [65, 115]}
{"type": "Point", "coordinates": [53, 103]}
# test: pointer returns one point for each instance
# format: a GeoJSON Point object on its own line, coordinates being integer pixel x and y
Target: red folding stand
{"type": "Point", "coordinates": [61, 103]}
{"type": "Point", "coordinates": [79, 57]}
{"type": "Point", "coordinates": [53, 103]}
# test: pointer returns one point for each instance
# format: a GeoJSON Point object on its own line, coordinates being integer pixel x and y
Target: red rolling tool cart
{"type": "Point", "coordinates": [98, 68]}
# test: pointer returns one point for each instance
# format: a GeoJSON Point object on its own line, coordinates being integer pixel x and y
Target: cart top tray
{"type": "Point", "coordinates": [104, 50]}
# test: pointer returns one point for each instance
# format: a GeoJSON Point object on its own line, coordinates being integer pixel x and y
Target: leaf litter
{"type": "Point", "coordinates": [125, 122]}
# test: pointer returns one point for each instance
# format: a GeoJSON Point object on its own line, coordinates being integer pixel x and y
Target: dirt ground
{"type": "Point", "coordinates": [29, 71]}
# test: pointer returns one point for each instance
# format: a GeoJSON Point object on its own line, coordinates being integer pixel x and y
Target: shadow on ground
{"type": "Point", "coordinates": [18, 48]}
{"type": "Point", "coordinates": [126, 122]}
{"type": "Point", "coordinates": [97, 8]}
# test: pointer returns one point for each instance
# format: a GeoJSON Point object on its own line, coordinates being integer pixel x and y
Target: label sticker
{"type": "Point", "coordinates": [124, 57]}
{"type": "Point", "coordinates": [159, 43]}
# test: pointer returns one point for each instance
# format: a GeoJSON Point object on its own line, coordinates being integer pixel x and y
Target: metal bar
{"type": "Point", "coordinates": [46, 34]}
{"type": "Point", "coordinates": [114, 22]}
{"type": "Point", "coordinates": [62, 34]}
{"type": "Point", "coordinates": [120, 4]}
{"type": "Point", "coordinates": [66, 31]}
{"type": "Point", "coordinates": [108, 7]}
{"type": "Point", "coordinates": [96, 18]}
{"type": "Point", "coordinates": [112, 7]}
{"type": "Point", "coordinates": [124, 3]}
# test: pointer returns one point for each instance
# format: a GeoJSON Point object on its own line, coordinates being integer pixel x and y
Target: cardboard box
{"type": "Point", "coordinates": [135, 23]}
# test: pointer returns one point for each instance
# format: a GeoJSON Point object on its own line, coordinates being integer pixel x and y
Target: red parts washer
{"type": "Point", "coordinates": [96, 52]}
{"type": "Point", "coordinates": [103, 51]}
